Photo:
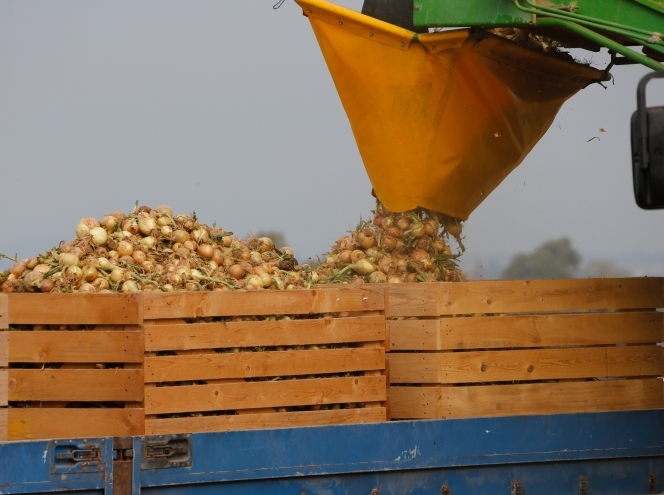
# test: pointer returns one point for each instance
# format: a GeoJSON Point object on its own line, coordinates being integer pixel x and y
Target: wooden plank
{"type": "Point", "coordinates": [4, 420]}
{"type": "Point", "coordinates": [264, 420]}
{"type": "Point", "coordinates": [518, 296]}
{"type": "Point", "coordinates": [416, 299]}
{"type": "Point", "coordinates": [414, 335]}
{"type": "Point", "coordinates": [4, 388]}
{"type": "Point", "coordinates": [551, 398]}
{"type": "Point", "coordinates": [269, 302]}
{"type": "Point", "coordinates": [75, 385]}
{"type": "Point", "coordinates": [4, 311]}
{"type": "Point", "coordinates": [75, 347]}
{"type": "Point", "coordinates": [251, 395]}
{"type": "Point", "coordinates": [532, 331]}
{"type": "Point", "coordinates": [264, 333]}
{"type": "Point", "coordinates": [261, 364]}
{"type": "Point", "coordinates": [4, 349]}
{"type": "Point", "coordinates": [34, 423]}
{"type": "Point", "coordinates": [75, 309]}
{"type": "Point", "coordinates": [524, 365]}
{"type": "Point", "coordinates": [634, 360]}
{"type": "Point", "coordinates": [414, 402]}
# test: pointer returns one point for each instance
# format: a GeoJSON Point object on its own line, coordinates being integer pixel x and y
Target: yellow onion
{"type": "Point", "coordinates": [129, 286]}
{"type": "Point", "coordinates": [363, 267]}
{"type": "Point", "coordinates": [109, 223]}
{"type": "Point", "coordinates": [90, 273]}
{"type": "Point", "coordinates": [84, 226]}
{"type": "Point", "coordinates": [125, 248]}
{"type": "Point", "coordinates": [74, 272]}
{"type": "Point", "coordinates": [205, 251]}
{"type": "Point", "coordinates": [147, 243]}
{"type": "Point", "coordinates": [254, 281]}
{"type": "Point", "coordinates": [377, 278]}
{"type": "Point", "coordinates": [68, 259]}
{"type": "Point", "coordinates": [357, 255]}
{"type": "Point", "coordinates": [99, 236]}
{"type": "Point", "coordinates": [31, 263]}
{"type": "Point", "coordinates": [146, 224]}
{"type": "Point", "coordinates": [166, 231]}
{"type": "Point", "coordinates": [86, 287]}
{"type": "Point", "coordinates": [266, 278]}
{"type": "Point", "coordinates": [116, 275]}
{"type": "Point", "coordinates": [164, 210]}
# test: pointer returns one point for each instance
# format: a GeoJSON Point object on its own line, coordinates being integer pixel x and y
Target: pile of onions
{"type": "Point", "coordinates": [396, 247]}
{"type": "Point", "coordinates": [154, 250]}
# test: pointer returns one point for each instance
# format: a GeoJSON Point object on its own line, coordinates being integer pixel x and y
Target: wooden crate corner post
{"type": "Point", "coordinates": [4, 362]}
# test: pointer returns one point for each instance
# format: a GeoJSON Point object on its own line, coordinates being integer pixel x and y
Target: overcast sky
{"type": "Point", "coordinates": [227, 108]}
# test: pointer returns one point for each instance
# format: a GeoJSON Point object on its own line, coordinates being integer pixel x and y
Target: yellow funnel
{"type": "Point", "coordinates": [442, 119]}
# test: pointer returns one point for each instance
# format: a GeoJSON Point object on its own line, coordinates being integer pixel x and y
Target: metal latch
{"type": "Point", "coordinates": [80, 455]}
{"type": "Point", "coordinates": [166, 451]}
{"type": "Point", "coordinates": [76, 456]}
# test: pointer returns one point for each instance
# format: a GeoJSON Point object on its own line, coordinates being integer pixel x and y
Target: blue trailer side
{"type": "Point", "coordinates": [590, 453]}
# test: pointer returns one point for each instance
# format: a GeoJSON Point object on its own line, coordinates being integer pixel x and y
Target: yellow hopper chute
{"type": "Point", "coordinates": [440, 119]}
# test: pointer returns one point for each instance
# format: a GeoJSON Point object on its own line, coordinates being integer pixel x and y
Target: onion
{"type": "Point", "coordinates": [164, 221]}
{"type": "Point", "coordinates": [90, 273]}
{"type": "Point", "coordinates": [393, 279]}
{"type": "Point", "coordinates": [385, 265]}
{"type": "Point", "coordinates": [32, 280]}
{"type": "Point", "coordinates": [227, 241]}
{"type": "Point", "coordinates": [377, 278]}
{"type": "Point", "coordinates": [417, 229]}
{"type": "Point", "coordinates": [167, 288]}
{"type": "Point", "coordinates": [167, 231]}
{"type": "Point", "coordinates": [315, 278]}
{"type": "Point", "coordinates": [7, 286]}
{"type": "Point", "coordinates": [180, 236]}
{"type": "Point", "coordinates": [125, 248]}
{"type": "Point", "coordinates": [191, 245]}
{"type": "Point", "coordinates": [147, 243]}
{"type": "Point", "coordinates": [74, 272]}
{"type": "Point", "coordinates": [17, 270]}
{"type": "Point", "coordinates": [366, 239]}
{"type": "Point", "coordinates": [196, 275]}
{"type": "Point", "coordinates": [109, 223]}
{"type": "Point", "coordinates": [113, 255]}
{"type": "Point", "coordinates": [387, 222]}
{"type": "Point", "coordinates": [267, 244]}
{"type": "Point", "coordinates": [388, 242]}
{"type": "Point", "coordinates": [403, 223]}
{"type": "Point", "coordinates": [175, 278]}
{"type": "Point", "coordinates": [287, 251]}
{"type": "Point", "coordinates": [164, 210]}
{"type": "Point", "coordinates": [130, 225]}
{"type": "Point", "coordinates": [254, 281]}
{"type": "Point", "coordinates": [190, 286]}
{"type": "Point", "coordinates": [86, 287]}
{"type": "Point", "coordinates": [205, 251]}
{"type": "Point", "coordinates": [31, 263]}
{"type": "Point", "coordinates": [357, 255]}
{"type": "Point", "coordinates": [394, 232]}
{"type": "Point", "coordinates": [363, 267]}
{"type": "Point", "coordinates": [99, 236]}
{"type": "Point", "coordinates": [378, 220]}
{"type": "Point", "coordinates": [117, 275]}
{"type": "Point", "coordinates": [218, 256]}
{"type": "Point", "coordinates": [183, 252]}
{"type": "Point", "coordinates": [447, 251]}
{"type": "Point", "coordinates": [129, 286]}
{"type": "Point", "coordinates": [84, 226]}
{"type": "Point", "coordinates": [401, 265]}
{"type": "Point", "coordinates": [256, 258]}
{"type": "Point", "coordinates": [346, 243]}
{"type": "Point", "coordinates": [200, 235]}
{"type": "Point", "coordinates": [139, 256]}
{"type": "Point", "coordinates": [236, 271]}
{"type": "Point", "coordinates": [100, 284]}
{"type": "Point", "coordinates": [266, 278]}
{"type": "Point", "coordinates": [454, 228]}
{"type": "Point", "coordinates": [424, 242]}
{"type": "Point", "coordinates": [146, 224]}
{"type": "Point", "coordinates": [438, 245]}
{"type": "Point", "coordinates": [68, 259]}
{"type": "Point", "coordinates": [119, 215]}
{"type": "Point", "coordinates": [46, 285]}
{"type": "Point", "coordinates": [418, 255]}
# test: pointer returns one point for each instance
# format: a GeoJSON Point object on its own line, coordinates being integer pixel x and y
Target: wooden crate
{"type": "Point", "coordinates": [493, 348]}
{"type": "Point", "coordinates": [193, 382]}
{"type": "Point", "coordinates": [63, 383]}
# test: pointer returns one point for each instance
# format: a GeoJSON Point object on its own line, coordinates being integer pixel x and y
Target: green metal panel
{"type": "Point", "coordinates": [468, 13]}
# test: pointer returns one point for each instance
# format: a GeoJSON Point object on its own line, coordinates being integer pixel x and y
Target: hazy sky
{"type": "Point", "coordinates": [227, 108]}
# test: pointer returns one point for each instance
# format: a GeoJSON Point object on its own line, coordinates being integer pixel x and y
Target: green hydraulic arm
{"type": "Point", "coordinates": [614, 24]}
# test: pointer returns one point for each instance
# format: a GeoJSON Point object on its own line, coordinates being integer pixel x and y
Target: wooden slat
{"type": "Point", "coordinates": [4, 349]}
{"type": "Point", "coordinates": [4, 388]}
{"type": "Point", "coordinates": [75, 385]}
{"type": "Point", "coordinates": [34, 423]}
{"type": "Point", "coordinates": [551, 398]}
{"type": "Point", "coordinates": [416, 299]}
{"type": "Point", "coordinates": [533, 331]}
{"type": "Point", "coordinates": [269, 302]}
{"type": "Point", "coordinates": [524, 365]}
{"type": "Point", "coordinates": [261, 364]}
{"type": "Point", "coordinates": [4, 419]}
{"type": "Point", "coordinates": [75, 309]}
{"type": "Point", "coordinates": [250, 395]}
{"type": "Point", "coordinates": [264, 333]}
{"type": "Point", "coordinates": [75, 347]}
{"type": "Point", "coordinates": [264, 420]}
{"type": "Point", "coordinates": [517, 296]}
{"type": "Point", "coordinates": [4, 311]}
{"type": "Point", "coordinates": [414, 402]}
{"type": "Point", "coordinates": [414, 335]}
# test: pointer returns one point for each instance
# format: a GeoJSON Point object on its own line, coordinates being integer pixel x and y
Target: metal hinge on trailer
{"type": "Point", "coordinates": [166, 451]}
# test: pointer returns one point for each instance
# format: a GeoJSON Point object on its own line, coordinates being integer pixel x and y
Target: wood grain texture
{"type": "Point", "coordinates": [76, 385]}
{"type": "Point", "coordinates": [4, 388]}
{"type": "Point", "coordinates": [264, 420]}
{"type": "Point", "coordinates": [251, 395]}
{"type": "Point", "coordinates": [33, 423]}
{"type": "Point", "coordinates": [414, 335]}
{"type": "Point", "coordinates": [414, 402]}
{"type": "Point", "coordinates": [4, 349]}
{"type": "Point", "coordinates": [416, 299]}
{"type": "Point", "coordinates": [75, 347]}
{"type": "Point", "coordinates": [4, 420]}
{"type": "Point", "coordinates": [517, 296]}
{"type": "Point", "coordinates": [525, 365]}
{"type": "Point", "coordinates": [313, 301]}
{"type": "Point", "coordinates": [261, 364]}
{"type": "Point", "coordinates": [160, 337]}
{"type": "Point", "coordinates": [75, 309]}
{"type": "Point", "coordinates": [539, 331]}
{"type": "Point", "coordinates": [551, 398]}
{"type": "Point", "coordinates": [4, 311]}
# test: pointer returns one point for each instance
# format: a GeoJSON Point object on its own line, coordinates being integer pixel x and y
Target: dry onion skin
{"type": "Point", "coordinates": [155, 250]}
{"type": "Point", "coordinates": [411, 246]}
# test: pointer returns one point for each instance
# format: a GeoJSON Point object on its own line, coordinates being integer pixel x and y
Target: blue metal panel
{"type": "Point", "coordinates": [407, 445]}
{"type": "Point", "coordinates": [31, 467]}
